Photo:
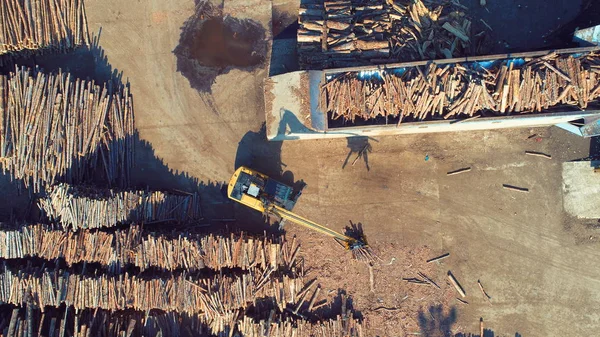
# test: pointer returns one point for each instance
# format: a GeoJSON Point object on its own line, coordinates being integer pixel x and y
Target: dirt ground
{"type": "Point", "coordinates": [535, 263]}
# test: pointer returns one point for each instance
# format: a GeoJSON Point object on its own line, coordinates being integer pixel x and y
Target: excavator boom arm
{"type": "Point", "coordinates": [287, 215]}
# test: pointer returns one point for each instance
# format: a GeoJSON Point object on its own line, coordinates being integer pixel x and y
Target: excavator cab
{"type": "Point", "coordinates": [256, 190]}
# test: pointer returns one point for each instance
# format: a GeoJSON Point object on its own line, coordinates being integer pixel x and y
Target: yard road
{"type": "Point", "coordinates": [541, 268]}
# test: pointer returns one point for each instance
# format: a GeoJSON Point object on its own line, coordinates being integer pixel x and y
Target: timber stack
{"type": "Point", "coordinates": [79, 207]}
{"type": "Point", "coordinates": [133, 247]}
{"type": "Point", "coordinates": [67, 322]}
{"type": "Point", "coordinates": [54, 128]}
{"type": "Point", "coordinates": [29, 26]}
{"type": "Point", "coordinates": [465, 90]}
{"type": "Point", "coordinates": [346, 33]}
{"type": "Point", "coordinates": [210, 296]}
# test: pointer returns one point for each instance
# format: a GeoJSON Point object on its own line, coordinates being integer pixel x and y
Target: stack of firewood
{"type": "Point", "coordinates": [350, 32]}
{"type": "Point", "coordinates": [133, 248]}
{"type": "Point", "coordinates": [76, 207]}
{"type": "Point", "coordinates": [55, 128]}
{"type": "Point", "coordinates": [31, 25]}
{"type": "Point", "coordinates": [465, 90]}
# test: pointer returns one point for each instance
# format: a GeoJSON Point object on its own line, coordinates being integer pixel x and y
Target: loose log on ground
{"type": "Point", "coordinates": [462, 170]}
{"type": "Point", "coordinates": [538, 154]}
{"type": "Point", "coordinates": [438, 258]}
{"type": "Point", "coordinates": [515, 188]}
{"type": "Point", "coordinates": [456, 285]}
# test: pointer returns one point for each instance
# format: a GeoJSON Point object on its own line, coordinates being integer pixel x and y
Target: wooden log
{"type": "Point", "coordinates": [457, 32]}
{"type": "Point", "coordinates": [370, 45]}
{"type": "Point", "coordinates": [309, 38]}
{"type": "Point", "coordinates": [438, 258]}
{"type": "Point", "coordinates": [481, 330]}
{"type": "Point", "coordinates": [459, 171]}
{"type": "Point", "coordinates": [456, 285]}
{"type": "Point", "coordinates": [538, 154]}
{"type": "Point", "coordinates": [485, 295]}
{"type": "Point", "coordinates": [515, 188]}
{"type": "Point", "coordinates": [337, 25]}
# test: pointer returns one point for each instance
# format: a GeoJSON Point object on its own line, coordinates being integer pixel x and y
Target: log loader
{"type": "Point", "coordinates": [269, 196]}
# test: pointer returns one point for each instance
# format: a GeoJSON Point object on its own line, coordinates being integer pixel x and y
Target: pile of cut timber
{"type": "Point", "coordinates": [133, 248]}
{"type": "Point", "coordinates": [76, 207]}
{"type": "Point", "coordinates": [348, 33]}
{"type": "Point", "coordinates": [54, 128]}
{"type": "Point", "coordinates": [67, 322]}
{"type": "Point", "coordinates": [212, 296]}
{"type": "Point", "coordinates": [464, 90]}
{"type": "Point", "coordinates": [43, 24]}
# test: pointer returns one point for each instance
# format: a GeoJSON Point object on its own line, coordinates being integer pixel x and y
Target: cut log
{"type": "Point", "coordinates": [456, 285]}
{"type": "Point", "coordinates": [457, 32]}
{"type": "Point", "coordinates": [370, 45]}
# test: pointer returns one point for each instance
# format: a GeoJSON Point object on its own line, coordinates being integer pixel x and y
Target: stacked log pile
{"type": "Point", "coordinates": [465, 90]}
{"type": "Point", "coordinates": [132, 248]}
{"type": "Point", "coordinates": [43, 24]}
{"type": "Point", "coordinates": [76, 207]}
{"type": "Point", "coordinates": [54, 128]}
{"type": "Point", "coordinates": [212, 296]}
{"type": "Point", "coordinates": [352, 32]}
{"type": "Point", "coordinates": [103, 323]}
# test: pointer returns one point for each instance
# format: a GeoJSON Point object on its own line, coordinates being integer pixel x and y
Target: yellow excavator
{"type": "Point", "coordinates": [269, 196]}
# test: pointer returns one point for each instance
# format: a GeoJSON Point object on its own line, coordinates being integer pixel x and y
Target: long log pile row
{"type": "Point", "coordinates": [132, 248]}
{"type": "Point", "coordinates": [340, 33]}
{"type": "Point", "coordinates": [97, 323]}
{"type": "Point", "coordinates": [103, 323]}
{"type": "Point", "coordinates": [29, 25]}
{"type": "Point", "coordinates": [465, 90]}
{"type": "Point", "coordinates": [54, 128]}
{"type": "Point", "coordinates": [212, 296]}
{"type": "Point", "coordinates": [76, 207]}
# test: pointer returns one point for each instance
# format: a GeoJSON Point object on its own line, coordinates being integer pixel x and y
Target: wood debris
{"type": "Point", "coordinates": [133, 247]}
{"type": "Point", "coordinates": [54, 128]}
{"type": "Point", "coordinates": [76, 207]}
{"type": "Point", "coordinates": [340, 33]}
{"type": "Point", "coordinates": [28, 26]}
{"type": "Point", "coordinates": [463, 90]}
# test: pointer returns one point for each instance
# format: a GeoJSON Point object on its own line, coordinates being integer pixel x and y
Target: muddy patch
{"type": "Point", "coordinates": [212, 44]}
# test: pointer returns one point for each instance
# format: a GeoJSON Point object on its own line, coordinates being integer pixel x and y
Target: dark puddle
{"type": "Point", "coordinates": [212, 44]}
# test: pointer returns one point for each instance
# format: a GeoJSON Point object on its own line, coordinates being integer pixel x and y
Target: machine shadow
{"type": "Point", "coordinates": [435, 322]}
{"type": "Point", "coordinates": [341, 305]}
{"type": "Point", "coordinates": [361, 147]}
